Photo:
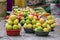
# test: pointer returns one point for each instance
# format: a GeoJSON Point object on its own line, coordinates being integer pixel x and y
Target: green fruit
{"type": "Point", "coordinates": [28, 21]}
{"type": "Point", "coordinates": [22, 22]}
{"type": "Point", "coordinates": [8, 27]}
{"type": "Point", "coordinates": [26, 18]}
{"type": "Point", "coordinates": [15, 27]}
{"type": "Point", "coordinates": [40, 13]}
{"type": "Point", "coordinates": [34, 21]}
{"type": "Point", "coordinates": [39, 29]}
{"type": "Point", "coordinates": [13, 17]}
{"type": "Point", "coordinates": [25, 14]}
{"type": "Point", "coordinates": [37, 11]}
{"type": "Point", "coordinates": [49, 17]}
{"type": "Point", "coordinates": [34, 26]}
{"type": "Point", "coordinates": [15, 10]}
{"type": "Point", "coordinates": [16, 21]}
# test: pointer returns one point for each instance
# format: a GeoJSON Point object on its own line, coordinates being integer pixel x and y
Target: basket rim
{"type": "Point", "coordinates": [41, 32]}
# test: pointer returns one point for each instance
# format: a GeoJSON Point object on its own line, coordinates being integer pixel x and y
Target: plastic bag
{"type": "Point", "coordinates": [55, 9]}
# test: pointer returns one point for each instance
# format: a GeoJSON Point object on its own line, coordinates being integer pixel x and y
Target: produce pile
{"type": "Point", "coordinates": [45, 25]}
{"type": "Point", "coordinates": [32, 20]}
{"type": "Point", "coordinates": [12, 25]}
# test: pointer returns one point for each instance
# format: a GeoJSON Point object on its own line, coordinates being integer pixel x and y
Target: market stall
{"type": "Point", "coordinates": [36, 21]}
{"type": "Point", "coordinates": [31, 20]}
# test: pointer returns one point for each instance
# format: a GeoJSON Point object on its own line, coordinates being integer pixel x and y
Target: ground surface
{"type": "Point", "coordinates": [24, 36]}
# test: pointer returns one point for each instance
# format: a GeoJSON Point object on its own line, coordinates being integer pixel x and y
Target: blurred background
{"type": "Point", "coordinates": [6, 5]}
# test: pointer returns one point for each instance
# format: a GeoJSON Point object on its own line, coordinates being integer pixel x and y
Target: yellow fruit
{"type": "Point", "coordinates": [13, 17]}
{"type": "Point", "coordinates": [51, 21]}
{"type": "Point", "coordinates": [15, 27]}
{"type": "Point", "coordinates": [30, 17]}
{"type": "Point", "coordinates": [19, 25]}
{"type": "Point", "coordinates": [38, 24]}
{"type": "Point", "coordinates": [25, 25]}
{"type": "Point", "coordinates": [50, 17]}
{"type": "Point", "coordinates": [27, 8]}
{"type": "Point", "coordinates": [7, 20]}
{"type": "Point", "coordinates": [41, 20]}
{"type": "Point", "coordinates": [34, 26]}
{"type": "Point", "coordinates": [29, 26]}
{"type": "Point", "coordinates": [40, 29]}
{"type": "Point", "coordinates": [45, 30]}
{"type": "Point", "coordinates": [48, 27]}
{"type": "Point", "coordinates": [8, 27]}
{"type": "Point", "coordinates": [29, 12]}
{"type": "Point", "coordinates": [53, 25]}
{"type": "Point", "coordinates": [45, 14]}
{"type": "Point", "coordinates": [47, 21]}
{"type": "Point", "coordinates": [44, 25]}
{"type": "Point", "coordinates": [34, 17]}
{"type": "Point", "coordinates": [10, 22]}
{"type": "Point", "coordinates": [16, 21]}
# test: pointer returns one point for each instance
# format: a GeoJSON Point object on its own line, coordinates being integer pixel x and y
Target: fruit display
{"type": "Point", "coordinates": [51, 22]}
{"type": "Point", "coordinates": [28, 25]}
{"type": "Point", "coordinates": [41, 25]}
{"type": "Point", "coordinates": [32, 20]}
{"type": "Point", "coordinates": [39, 10]}
{"type": "Point", "coordinates": [44, 26]}
{"type": "Point", "coordinates": [13, 26]}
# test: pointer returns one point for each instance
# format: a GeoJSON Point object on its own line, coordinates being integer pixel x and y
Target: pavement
{"type": "Point", "coordinates": [55, 35]}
